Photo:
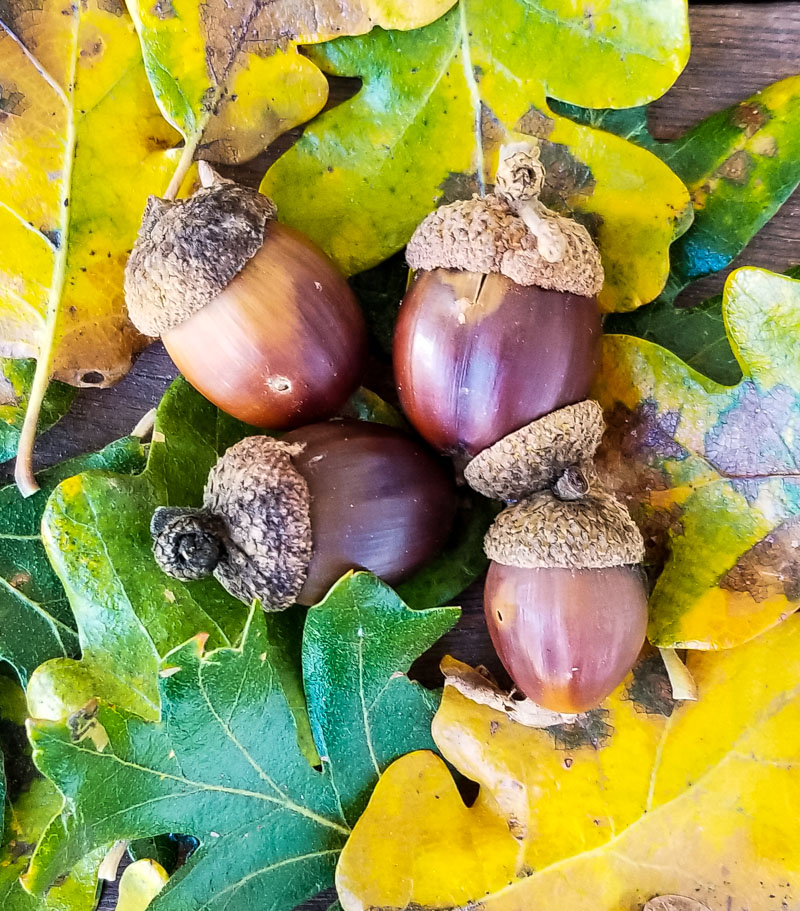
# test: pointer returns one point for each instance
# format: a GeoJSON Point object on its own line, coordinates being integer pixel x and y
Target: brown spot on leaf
{"type": "Point", "coordinates": [20, 848]}
{"type": "Point", "coordinates": [19, 579]}
{"type": "Point", "coordinates": [492, 131]}
{"type": "Point", "coordinates": [736, 168]}
{"type": "Point", "coordinates": [630, 461]}
{"type": "Point", "coordinates": [750, 117]}
{"type": "Point", "coordinates": [535, 123]}
{"type": "Point", "coordinates": [458, 186]}
{"type": "Point", "coordinates": [115, 7]}
{"type": "Point", "coordinates": [589, 730]}
{"type": "Point", "coordinates": [163, 9]}
{"type": "Point", "coordinates": [770, 568]}
{"type": "Point", "coordinates": [12, 101]}
{"type": "Point", "coordinates": [92, 49]}
{"type": "Point", "coordinates": [650, 690]}
{"type": "Point", "coordinates": [494, 727]}
{"type": "Point", "coordinates": [765, 145]}
{"type": "Point", "coordinates": [566, 179]}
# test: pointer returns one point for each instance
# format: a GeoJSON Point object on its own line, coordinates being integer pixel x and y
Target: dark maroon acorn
{"type": "Point", "coordinates": [283, 520]}
{"type": "Point", "coordinates": [479, 356]}
{"type": "Point", "coordinates": [568, 637]}
{"type": "Point", "coordinates": [379, 501]}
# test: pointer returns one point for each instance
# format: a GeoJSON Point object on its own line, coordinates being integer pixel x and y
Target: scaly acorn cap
{"type": "Point", "coordinates": [188, 250]}
{"type": "Point", "coordinates": [510, 231]}
{"type": "Point", "coordinates": [254, 530]}
{"type": "Point", "coordinates": [589, 531]}
{"type": "Point", "coordinates": [533, 457]}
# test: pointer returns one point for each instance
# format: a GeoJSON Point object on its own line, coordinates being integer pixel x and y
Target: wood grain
{"type": "Point", "coordinates": [738, 49]}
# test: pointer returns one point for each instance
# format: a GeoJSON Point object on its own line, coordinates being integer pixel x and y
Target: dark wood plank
{"type": "Point", "coordinates": [738, 49]}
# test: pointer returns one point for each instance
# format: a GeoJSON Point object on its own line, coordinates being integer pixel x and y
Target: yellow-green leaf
{"type": "Point", "coordinates": [229, 75]}
{"type": "Point", "coordinates": [82, 143]}
{"type": "Point", "coordinates": [712, 473]}
{"type": "Point", "coordinates": [139, 885]}
{"type": "Point", "coordinates": [643, 797]}
{"type": "Point", "coordinates": [437, 102]}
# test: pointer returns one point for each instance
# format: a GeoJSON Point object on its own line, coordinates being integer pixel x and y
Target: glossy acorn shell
{"type": "Point", "coordinates": [478, 356]}
{"type": "Point", "coordinates": [379, 501]}
{"type": "Point", "coordinates": [283, 345]}
{"type": "Point", "coordinates": [567, 637]}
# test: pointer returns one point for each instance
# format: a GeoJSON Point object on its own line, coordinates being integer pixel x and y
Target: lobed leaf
{"type": "Point", "coordinates": [36, 622]}
{"type": "Point", "coordinates": [437, 103]}
{"type": "Point", "coordinates": [640, 798]}
{"type": "Point", "coordinates": [230, 76]}
{"type": "Point", "coordinates": [710, 472]}
{"type": "Point", "coordinates": [82, 146]}
{"type": "Point", "coordinates": [740, 166]}
{"type": "Point", "coordinates": [224, 764]}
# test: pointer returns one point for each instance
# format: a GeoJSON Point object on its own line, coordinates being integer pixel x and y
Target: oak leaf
{"type": "Point", "coordinates": [226, 763]}
{"type": "Point", "coordinates": [82, 144]}
{"type": "Point", "coordinates": [645, 797]}
{"type": "Point", "coordinates": [437, 103]}
{"type": "Point", "coordinates": [712, 473]}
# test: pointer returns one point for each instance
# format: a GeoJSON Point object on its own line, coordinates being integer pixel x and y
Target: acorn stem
{"type": "Point", "coordinates": [187, 543]}
{"type": "Point", "coordinates": [572, 484]}
{"type": "Point", "coordinates": [182, 168]}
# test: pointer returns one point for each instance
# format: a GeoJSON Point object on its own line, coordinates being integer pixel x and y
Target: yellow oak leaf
{"type": "Point", "coordinates": [229, 75]}
{"type": "Point", "coordinates": [643, 797]}
{"type": "Point", "coordinates": [82, 144]}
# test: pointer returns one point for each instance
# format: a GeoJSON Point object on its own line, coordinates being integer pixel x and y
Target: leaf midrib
{"type": "Point", "coordinates": [204, 786]}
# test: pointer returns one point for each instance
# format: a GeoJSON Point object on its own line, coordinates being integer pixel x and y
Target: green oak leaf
{"type": "Point", "coordinates": [36, 622]}
{"type": "Point", "coordinates": [16, 377]}
{"type": "Point", "coordinates": [712, 473]}
{"type": "Point", "coordinates": [30, 802]}
{"type": "Point", "coordinates": [740, 165]}
{"type": "Point", "coordinates": [129, 614]}
{"type": "Point", "coordinates": [436, 104]}
{"type": "Point", "coordinates": [224, 763]}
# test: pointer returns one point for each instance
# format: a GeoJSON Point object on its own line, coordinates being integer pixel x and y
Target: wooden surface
{"type": "Point", "coordinates": [738, 48]}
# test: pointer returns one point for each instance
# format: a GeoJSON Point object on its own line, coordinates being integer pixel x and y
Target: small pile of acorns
{"type": "Point", "coordinates": [496, 347]}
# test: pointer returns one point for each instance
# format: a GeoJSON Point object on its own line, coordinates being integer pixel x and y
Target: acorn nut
{"type": "Point", "coordinates": [283, 520]}
{"type": "Point", "coordinates": [501, 324]}
{"type": "Point", "coordinates": [496, 349]}
{"type": "Point", "coordinates": [255, 316]}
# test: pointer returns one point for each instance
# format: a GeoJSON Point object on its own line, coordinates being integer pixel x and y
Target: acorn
{"type": "Point", "coordinates": [496, 350]}
{"type": "Point", "coordinates": [283, 520]}
{"type": "Point", "coordinates": [565, 601]}
{"type": "Point", "coordinates": [501, 323]}
{"type": "Point", "coordinates": [255, 316]}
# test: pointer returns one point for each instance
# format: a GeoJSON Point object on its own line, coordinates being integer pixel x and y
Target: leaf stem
{"type": "Point", "coordinates": [23, 467]}
{"type": "Point", "coordinates": [182, 169]}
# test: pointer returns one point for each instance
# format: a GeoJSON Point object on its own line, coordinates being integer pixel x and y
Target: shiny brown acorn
{"type": "Point", "coordinates": [478, 356]}
{"type": "Point", "coordinates": [283, 520]}
{"type": "Point", "coordinates": [501, 324]}
{"type": "Point", "coordinates": [255, 316]}
{"type": "Point", "coordinates": [496, 349]}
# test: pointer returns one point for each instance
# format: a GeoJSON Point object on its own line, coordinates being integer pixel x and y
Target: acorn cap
{"type": "Point", "coordinates": [511, 232]}
{"type": "Point", "coordinates": [188, 251]}
{"type": "Point", "coordinates": [544, 531]}
{"type": "Point", "coordinates": [533, 457]}
{"type": "Point", "coordinates": [254, 531]}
